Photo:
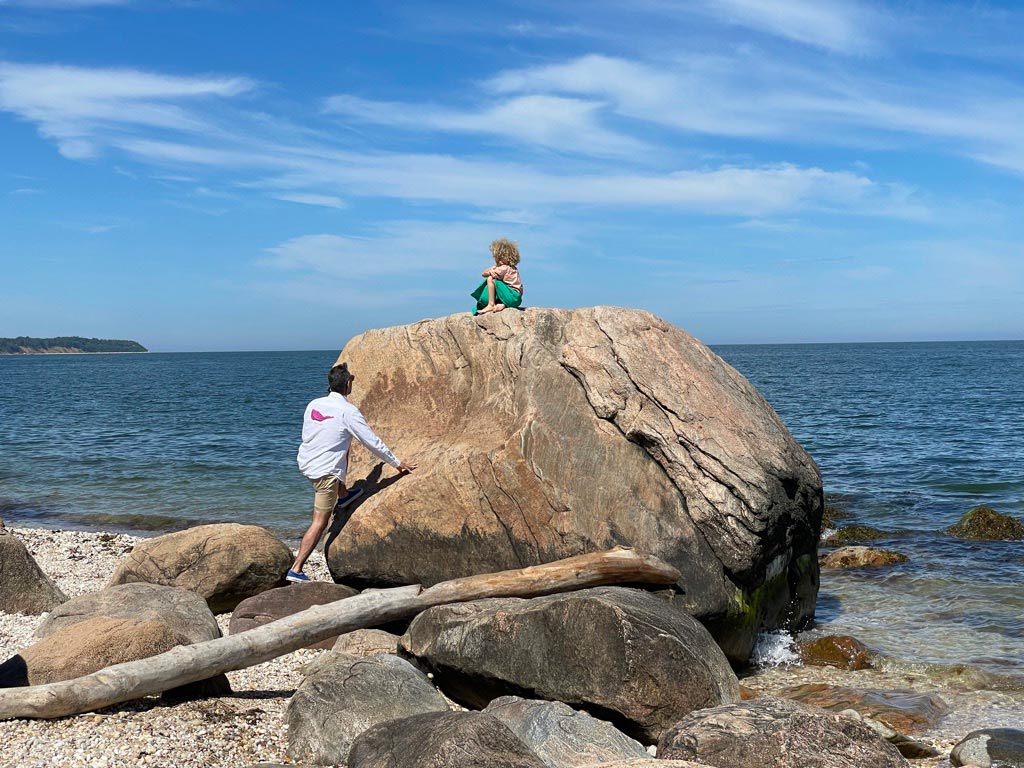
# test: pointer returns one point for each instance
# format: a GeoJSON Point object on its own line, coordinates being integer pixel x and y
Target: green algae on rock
{"type": "Point", "coordinates": [851, 534]}
{"type": "Point", "coordinates": [984, 523]}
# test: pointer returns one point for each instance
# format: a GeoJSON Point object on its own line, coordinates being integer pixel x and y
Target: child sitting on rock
{"type": "Point", "coordinates": [503, 286]}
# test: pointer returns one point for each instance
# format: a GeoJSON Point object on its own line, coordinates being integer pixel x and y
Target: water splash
{"type": "Point", "coordinates": [774, 649]}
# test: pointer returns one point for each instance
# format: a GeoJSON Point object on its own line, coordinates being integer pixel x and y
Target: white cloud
{"type": "Point", "coordinates": [80, 108]}
{"type": "Point", "coordinates": [836, 25]}
{"type": "Point", "coordinates": [554, 122]}
{"type": "Point", "coordinates": [325, 201]}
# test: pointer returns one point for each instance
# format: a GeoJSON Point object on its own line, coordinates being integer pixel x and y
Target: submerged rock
{"type": "Point", "coordinates": [777, 733]}
{"type": "Point", "coordinates": [24, 588]}
{"type": "Point", "coordinates": [984, 523]}
{"type": "Point", "coordinates": [637, 658]}
{"type": "Point", "coordinates": [861, 557]}
{"type": "Point", "coordinates": [851, 534]}
{"type": "Point", "coordinates": [990, 748]}
{"type": "Point", "coordinates": [224, 563]}
{"type": "Point", "coordinates": [833, 514]}
{"type": "Point", "coordinates": [545, 433]}
{"type": "Point", "coordinates": [903, 710]}
{"type": "Point", "coordinates": [840, 651]}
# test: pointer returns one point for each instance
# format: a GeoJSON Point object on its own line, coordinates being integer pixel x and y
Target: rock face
{"type": "Point", "coordinates": [24, 588]}
{"type": "Point", "coordinates": [549, 433]}
{"type": "Point", "coordinates": [362, 643]}
{"type": "Point", "coordinates": [183, 611]}
{"type": "Point", "coordinates": [777, 733]}
{"type": "Point", "coordinates": [277, 603]}
{"type": "Point", "coordinates": [333, 706]}
{"type": "Point", "coordinates": [985, 523]}
{"type": "Point", "coordinates": [633, 657]}
{"type": "Point", "coordinates": [442, 740]}
{"type": "Point", "coordinates": [561, 736]}
{"type": "Point", "coordinates": [990, 747]}
{"type": "Point", "coordinates": [224, 563]}
{"type": "Point", "coordinates": [861, 557]}
{"type": "Point", "coordinates": [840, 651]}
{"type": "Point", "coordinates": [902, 710]}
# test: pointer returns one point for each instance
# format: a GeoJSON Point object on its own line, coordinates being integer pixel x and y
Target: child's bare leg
{"type": "Point", "coordinates": [490, 297]}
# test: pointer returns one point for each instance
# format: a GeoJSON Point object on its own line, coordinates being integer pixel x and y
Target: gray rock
{"type": "Point", "coordinates": [673, 452]}
{"type": "Point", "coordinates": [362, 643]}
{"type": "Point", "coordinates": [24, 588]}
{"type": "Point", "coordinates": [224, 562]}
{"type": "Point", "coordinates": [634, 657]}
{"type": "Point", "coordinates": [990, 748]}
{"type": "Point", "coordinates": [779, 733]}
{"type": "Point", "coordinates": [646, 763]}
{"type": "Point", "coordinates": [561, 736]}
{"type": "Point", "coordinates": [333, 706]}
{"type": "Point", "coordinates": [442, 740]}
{"type": "Point", "coordinates": [185, 612]}
{"type": "Point", "coordinates": [277, 603]}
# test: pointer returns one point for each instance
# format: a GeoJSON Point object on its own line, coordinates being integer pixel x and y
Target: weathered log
{"type": "Point", "coordinates": [190, 663]}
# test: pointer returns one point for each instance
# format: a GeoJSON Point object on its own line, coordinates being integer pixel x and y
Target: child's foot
{"type": "Point", "coordinates": [497, 308]}
{"type": "Point", "coordinates": [485, 310]}
{"type": "Point", "coordinates": [296, 578]}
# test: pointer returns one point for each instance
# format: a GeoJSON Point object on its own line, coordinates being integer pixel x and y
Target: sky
{"type": "Point", "coordinates": [263, 175]}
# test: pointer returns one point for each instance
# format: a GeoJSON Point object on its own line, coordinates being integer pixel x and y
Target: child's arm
{"type": "Point", "coordinates": [489, 272]}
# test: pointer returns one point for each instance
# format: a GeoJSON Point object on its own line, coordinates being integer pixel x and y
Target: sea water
{"type": "Point", "coordinates": [908, 438]}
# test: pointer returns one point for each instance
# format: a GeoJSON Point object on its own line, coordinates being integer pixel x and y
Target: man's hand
{"type": "Point", "coordinates": [407, 466]}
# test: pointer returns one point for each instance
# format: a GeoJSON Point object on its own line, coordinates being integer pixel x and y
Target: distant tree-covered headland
{"type": "Point", "coordinates": [27, 345]}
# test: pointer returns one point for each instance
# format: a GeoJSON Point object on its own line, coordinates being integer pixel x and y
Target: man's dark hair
{"type": "Point", "coordinates": [338, 379]}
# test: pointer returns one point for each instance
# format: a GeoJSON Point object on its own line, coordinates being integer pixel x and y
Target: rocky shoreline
{"type": "Point", "coordinates": [250, 725]}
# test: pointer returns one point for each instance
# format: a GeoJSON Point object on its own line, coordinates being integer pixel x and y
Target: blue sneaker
{"type": "Point", "coordinates": [296, 578]}
{"type": "Point", "coordinates": [348, 498]}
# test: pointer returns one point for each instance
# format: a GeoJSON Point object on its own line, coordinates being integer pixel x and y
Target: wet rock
{"type": "Point", "coordinates": [343, 699]}
{"type": "Point", "coordinates": [561, 736]}
{"type": "Point", "coordinates": [861, 557]}
{"type": "Point", "coordinates": [832, 515]}
{"type": "Point", "coordinates": [905, 711]}
{"type": "Point", "coordinates": [778, 733]}
{"type": "Point", "coordinates": [840, 651]}
{"type": "Point", "coordinates": [908, 747]}
{"type": "Point", "coordinates": [442, 740]}
{"type": "Point", "coordinates": [182, 610]}
{"type": "Point", "coordinates": [694, 466]}
{"type": "Point", "coordinates": [990, 748]}
{"type": "Point", "coordinates": [852, 534]}
{"type": "Point", "coordinates": [94, 644]}
{"type": "Point", "coordinates": [24, 588]}
{"type": "Point", "coordinates": [277, 603]}
{"type": "Point", "coordinates": [224, 563]}
{"type": "Point", "coordinates": [637, 658]}
{"type": "Point", "coordinates": [985, 523]}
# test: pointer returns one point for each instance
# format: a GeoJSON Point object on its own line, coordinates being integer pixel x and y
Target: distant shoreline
{"type": "Point", "coordinates": [77, 352]}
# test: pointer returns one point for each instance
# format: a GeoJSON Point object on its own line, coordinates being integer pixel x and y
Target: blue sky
{"type": "Point", "coordinates": [281, 175]}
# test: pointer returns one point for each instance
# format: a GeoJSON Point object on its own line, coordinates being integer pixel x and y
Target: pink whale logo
{"type": "Point", "coordinates": [315, 415]}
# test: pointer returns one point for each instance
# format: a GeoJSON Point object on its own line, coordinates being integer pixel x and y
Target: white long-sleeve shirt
{"type": "Point", "coordinates": [328, 427]}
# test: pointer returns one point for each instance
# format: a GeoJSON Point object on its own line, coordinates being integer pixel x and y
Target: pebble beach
{"type": "Point", "coordinates": [248, 727]}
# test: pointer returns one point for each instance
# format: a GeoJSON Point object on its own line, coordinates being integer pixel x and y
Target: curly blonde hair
{"type": "Point", "coordinates": [505, 251]}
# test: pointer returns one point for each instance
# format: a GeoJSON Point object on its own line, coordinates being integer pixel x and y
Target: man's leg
{"type": "Point", "coordinates": [325, 496]}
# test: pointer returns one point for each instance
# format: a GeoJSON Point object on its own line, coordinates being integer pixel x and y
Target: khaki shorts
{"type": "Point", "coordinates": [325, 493]}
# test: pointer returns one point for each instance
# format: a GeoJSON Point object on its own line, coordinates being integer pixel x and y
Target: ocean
{"type": "Point", "coordinates": [908, 438]}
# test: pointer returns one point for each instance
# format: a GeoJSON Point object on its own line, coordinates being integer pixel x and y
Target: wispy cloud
{"type": "Point", "coordinates": [325, 201]}
{"type": "Point", "coordinates": [80, 108]}
{"type": "Point", "coordinates": [836, 25]}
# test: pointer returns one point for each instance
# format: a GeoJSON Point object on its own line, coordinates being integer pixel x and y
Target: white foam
{"type": "Point", "coordinates": [774, 649]}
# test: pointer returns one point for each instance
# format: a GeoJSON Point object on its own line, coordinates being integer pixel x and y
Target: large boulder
{"type": "Point", "coordinates": [185, 612]}
{"type": "Point", "coordinates": [24, 588]}
{"type": "Point", "coordinates": [990, 748]}
{"type": "Point", "coordinates": [224, 562]}
{"type": "Point", "coordinates": [442, 740]}
{"type": "Point", "coordinates": [633, 657]}
{"type": "Point", "coordinates": [277, 603]}
{"type": "Point", "coordinates": [361, 643]}
{"type": "Point", "coordinates": [549, 433]}
{"type": "Point", "coordinates": [905, 711]}
{"type": "Point", "coordinates": [561, 736]}
{"type": "Point", "coordinates": [96, 643]}
{"type": "Point", "coordinates": [334, 705]}
{"type": "Point", "coordinates": [779, 733]}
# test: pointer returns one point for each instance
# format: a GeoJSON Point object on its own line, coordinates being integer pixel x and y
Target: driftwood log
{"type": "Point", "coordinates": [190, 663]}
